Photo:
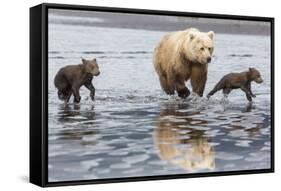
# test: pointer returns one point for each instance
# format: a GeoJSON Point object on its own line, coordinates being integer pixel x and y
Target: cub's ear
{"type": "Point", "coordinates": [83, 60]}
{"type": "Point", "coordinates": [250, 69]}
{"type": "Point", "coordinates": [191, 35]}
{"type": "Point", "coordinates": [211, 34]}
{"type": "Point", "coordinates": [94, 59]}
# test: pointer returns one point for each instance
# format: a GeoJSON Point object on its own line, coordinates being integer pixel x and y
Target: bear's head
{"type": "Point", "coordinates": [255, 75]}
{"type": "Point", "coordinates": [91, 66]}
{"type": "Point", "coordinates": [198, 46]}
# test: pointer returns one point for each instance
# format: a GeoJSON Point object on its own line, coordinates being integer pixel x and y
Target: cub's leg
{"type": "Point", "coordinates": [250, 90]}
{"type": "Point", "coordinates": [68, 95]}
{"type": "Point", "coordinates": [65, 94]}
{"type": "Point", "coordinates": [198, 78]}
{"type": "Point", "coordinates": [75, 91]}
{"type": "Point", "coordinates": [88, 84]}
{"type": "Point", "coordinates": [248, 94]}
{"type": "Point", "coordinates": [63, 87]}
{"type": "Point", "coordinates": [218, 86]}
{"type": "Point", "coordinates": [226, 91]}
{"type": "Point", "coordinates": [61, 95]}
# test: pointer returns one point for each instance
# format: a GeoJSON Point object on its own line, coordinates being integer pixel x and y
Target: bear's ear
{"type": "Point", "coordinates": [191, 35]}
{"type": "Point", "coordinates": [250, 69]}
{"type": "Point", "coordinates": [83, 61]}
{"type": "Point", "coordinates": [94, 59]}
{"type": "Point", "coordinates": [211, 34]}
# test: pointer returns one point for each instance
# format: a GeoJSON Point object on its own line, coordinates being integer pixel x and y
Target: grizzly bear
{"type": "Point", "coordinates": [238, 80]}
{"type": "Point", "coordinates": [183, 55]}
{"type": "Point", "coordinates": [70, 78]}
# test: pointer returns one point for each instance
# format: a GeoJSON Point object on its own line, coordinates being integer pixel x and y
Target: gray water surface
{"type": "Point", "coordinates": [133, 129]}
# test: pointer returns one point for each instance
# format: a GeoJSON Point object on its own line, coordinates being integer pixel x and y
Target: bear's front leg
{"type": "Point", "coordinates": [166, 86]}
{"type": "Point", "coordinates": [198, 78]}
{"type": "Point", "coordinates": [88, 84]}
{"type": "Point", "coordinates": [75, 90]}
{"type": "Point", "coordinates": [250, 90]}
{"type": "Point", "coordinates": [64, 94]}
{"type": "Point", "coordinates": [182, 90]}
{"type": "Point", "coordinates": [183, 93]}
{"type": "Point", "coordinates": [248, 94]}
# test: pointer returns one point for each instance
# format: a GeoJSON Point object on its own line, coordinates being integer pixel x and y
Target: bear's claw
{"type": "Point", "coordinates": [77, 99]}
{"type": "Point", "coordinates": [183, 93]}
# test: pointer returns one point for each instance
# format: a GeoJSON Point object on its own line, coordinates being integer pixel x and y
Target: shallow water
{"type": "Point", "coordinates": [134, 129]}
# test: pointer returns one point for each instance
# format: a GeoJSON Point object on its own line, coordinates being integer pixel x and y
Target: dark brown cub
{"type": "Point", "coordinates": [70, 78]}
{"type": "Point", "coordinates": [238, 80]}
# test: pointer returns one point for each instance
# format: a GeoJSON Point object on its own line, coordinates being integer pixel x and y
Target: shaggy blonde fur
{"type": "Point", "coordinates": [183, 55]}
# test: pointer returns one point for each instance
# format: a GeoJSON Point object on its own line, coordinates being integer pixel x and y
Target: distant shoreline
{"type": "Point", "coordinates": [156, 23]}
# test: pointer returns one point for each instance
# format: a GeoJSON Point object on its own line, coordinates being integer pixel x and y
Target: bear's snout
{"type": "Point", "coordinates": [209, 59]}
{"type": "Point", "coordinates": [98, 73]}
{"type": "Point", "coordinates": [259, 80]}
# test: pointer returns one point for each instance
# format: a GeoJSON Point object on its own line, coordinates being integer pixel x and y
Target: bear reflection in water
{"type": "Point", "coordinates": [178, 143]}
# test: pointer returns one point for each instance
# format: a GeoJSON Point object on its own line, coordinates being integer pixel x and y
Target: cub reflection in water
{"type": "Point", "coordinates": [77, 122]}
{"type": "Point", "coordinates": [74, 113]}
{"type": "Point", "coordinates": [178, 143]}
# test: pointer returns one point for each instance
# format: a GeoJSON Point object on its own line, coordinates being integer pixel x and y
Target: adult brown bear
{"type": "Point", "coordinates": [183, 55]}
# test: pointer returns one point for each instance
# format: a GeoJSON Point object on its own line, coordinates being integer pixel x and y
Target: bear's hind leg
{"type": "Point", "coordinates": [226, 91]}
{"type": "Point", "coordinates": [68, 95]}
{"type": "Point", "coordinates": [217, 87]}
{"type": "Point", "coordinates": [75, 91]}
{"type": "Point", "coordinates": [61, 95]}
{"type": "Point", "coordinates": [64, 95]}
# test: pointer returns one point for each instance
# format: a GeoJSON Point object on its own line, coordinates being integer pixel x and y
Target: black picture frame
{"type": "Point", "coordinates": [39, 93]}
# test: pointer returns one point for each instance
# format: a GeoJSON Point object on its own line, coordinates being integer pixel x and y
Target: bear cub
{"type": "Point", "coordinates": [238, 80]}
{"type": "Point", "coordinates": [70, 78]}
